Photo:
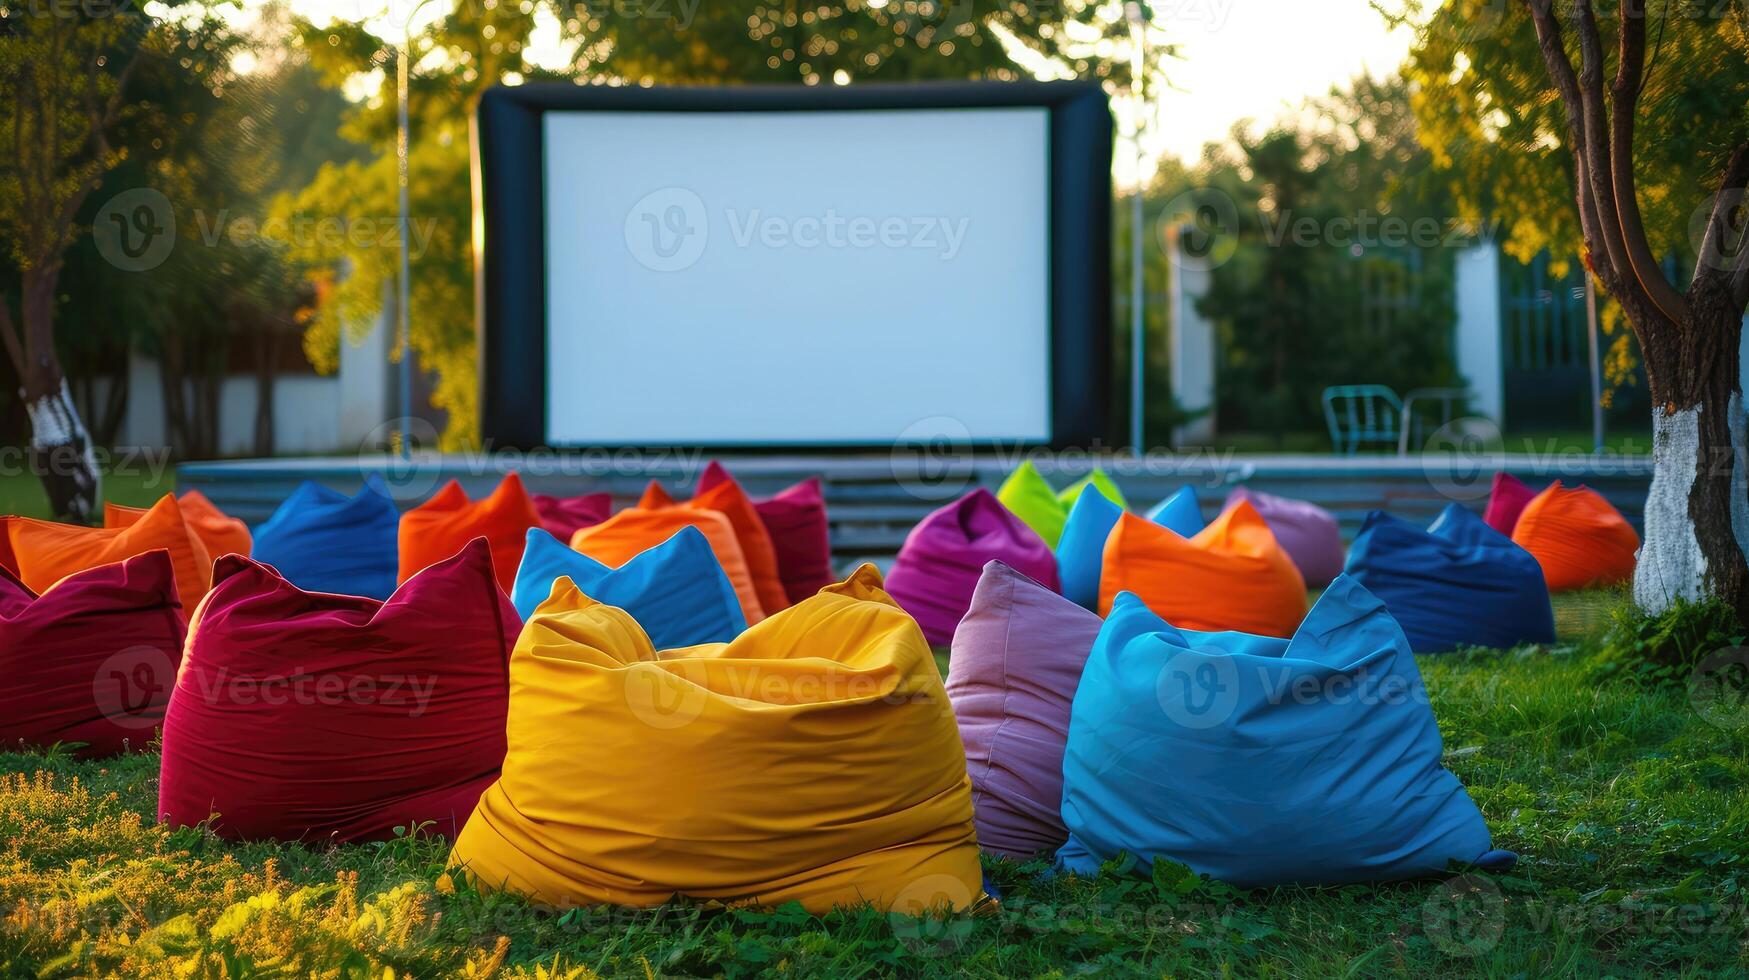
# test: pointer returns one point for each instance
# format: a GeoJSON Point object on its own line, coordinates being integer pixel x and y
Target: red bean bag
{"type": "Point", "coordinates": [943, 557]}
{"type": "Point", "coordinates": [220, 532]}
{"type": "Point", "coordinates": [562, 517]}
{"type": "Point", "coordinates": [310, 716]}
{"type": "Point", "coordinates": [1578, 538]}
{"type": "Point", "coordinates": [41, 553]}
{"type": "Point", "coordinates": [1506, 500]}
{"type": "Point", "coordinates": [438, 528]}
{"type": "Point", "coordinates": [91, 660]}
{"type": "Point", "coordinates": [800, 533]}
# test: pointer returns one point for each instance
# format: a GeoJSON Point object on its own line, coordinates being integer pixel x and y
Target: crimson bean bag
{"type": "Point", "coordinates": [1017, 657]}
{"type": "Point", "coordinates": [91, 660]}
{"type": "Point", "coordinates": [1578, 538]}
{"type": "Point", "coordinates": [1308, 533]}
{"type": "Point", "coordinates": [1233, 575]}
{"type": "Point", "coordinates": [322, 540]}
{"type": "Point", "coordinates": [41, 553]}
{"type": "Point", "coordinates": [562, 517]}
{"type": "Point", "coordinates": [943, 557]}
{"type": "Point", "coordinates": [221, 533]}
{"type": "Point", "coordinates": [438, 528]}
{"type": "Point", "coordinates": [1506, 500]}
{"type": "Point", "coordinates": [316, 717]}
{"type": "Point", "coordinates": [801, 535]}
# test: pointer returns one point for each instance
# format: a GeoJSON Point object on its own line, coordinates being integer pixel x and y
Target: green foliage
{"type": "Point", "coordinates": [1663, 649]}
{"type": "Point", "coordinates": [1342, 269]}
{"type": "Point", "coordinates": [1625, 804]}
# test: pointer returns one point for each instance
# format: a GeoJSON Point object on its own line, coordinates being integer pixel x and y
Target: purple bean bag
{"type": "Point", "coordinates": [1307, 532]}
{"type": "Point", "coordinates": [938, 566]}
{"type": "Point", "coordinates": [1506, 500]}
{"type": "Point", "coordinates": [1017, 657]}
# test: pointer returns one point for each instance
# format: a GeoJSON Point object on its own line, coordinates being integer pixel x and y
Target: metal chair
{"type": "Point", "coordinates": [1360, 415]}
{"type": "Point", "coordinates": [1414, 427]}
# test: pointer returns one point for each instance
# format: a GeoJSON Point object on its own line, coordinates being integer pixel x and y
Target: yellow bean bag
{"type": "Point", "coordinates": [813, 759]}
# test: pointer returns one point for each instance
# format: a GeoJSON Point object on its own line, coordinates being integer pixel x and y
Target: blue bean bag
{"type": "Point", "coordinates": [1081, 549]}
{"type": "Point", "coordinates": [1457, 583]}
{"type": "Point", "coordinates": [677, 591]}
{"type": "Point", "coordinates": [321, 540]}
{"type": "Point", "coordinates": [1179, 512]}
{"type": "Point", "coordinates": [1260, 761]}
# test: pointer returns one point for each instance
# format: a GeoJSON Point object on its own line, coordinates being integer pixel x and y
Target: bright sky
{"type": "Point", "coordinates": [1238, 59]}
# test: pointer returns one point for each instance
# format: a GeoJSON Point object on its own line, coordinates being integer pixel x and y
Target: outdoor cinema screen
{"type": "Point", "coordinates": [778, 269]}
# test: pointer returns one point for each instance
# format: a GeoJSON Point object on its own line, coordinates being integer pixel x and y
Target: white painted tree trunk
{"type": "Point", "coordinates": [1671, 564]}
{"type": "Point", "coordinates": [58, 440]}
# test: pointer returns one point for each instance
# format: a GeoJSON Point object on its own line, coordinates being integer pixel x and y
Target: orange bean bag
{"type": "Point", "coordinates": [41, 553]}
{"type": "Point", "coordinates": [654, 497]}
{"type": "Point", "coordinates": [1577, 537]}
{"type": "Point", "coordinates": [220, 532]}
{"type": "Point", "coordinates": [623, 536]}
{"type": "Point", "coordinates": [720, 493]}
{"type": "Point", "coordinates": [442, 526]}
{"type": "Point", "coordinates": [1233, 575]}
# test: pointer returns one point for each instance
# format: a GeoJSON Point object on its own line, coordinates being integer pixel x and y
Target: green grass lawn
{"type": "Point", "coordinates": [1628, 807]}
{"type": "Point", "coordinates": [137, 484]}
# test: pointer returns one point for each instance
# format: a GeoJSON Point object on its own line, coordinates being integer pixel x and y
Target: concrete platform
{"type": "Point", "coordinates": [874, 499]}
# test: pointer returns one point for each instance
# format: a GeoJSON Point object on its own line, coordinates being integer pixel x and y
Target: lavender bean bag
{"type": "Point", "coordinates": [1017, 657]}
{"type": "Point", "coordinates": [939, 565]}
{"type": "Point", "coordinates": [1308, 533]}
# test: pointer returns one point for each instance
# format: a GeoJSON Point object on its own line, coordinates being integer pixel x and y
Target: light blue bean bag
{"type": "Point", "coordinates": [677, 591]}
{"type": "Point", "coordinates": [1457, 583]}
{"type": "Point", "coordinates": [1260, 761]}
{"type": "Point", "coordinates": [1081, 549]}
{"type": "Point", "coordinates": [321, 540]}
{"type": "Point", "coordinates": [1179, 512]}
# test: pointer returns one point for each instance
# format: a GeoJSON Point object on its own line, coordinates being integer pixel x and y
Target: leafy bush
{"type": "Point", "coordinates": [1662, 649]}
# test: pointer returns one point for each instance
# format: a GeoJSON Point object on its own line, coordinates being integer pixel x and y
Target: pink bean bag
{"type": "Point", "coordinates": [1506, 500]}
{"type": "Point", "coordinates": [943, 557]}
{"type": "Point", "coordinates": [1017, 657]}
{"type": "Point", "coordinates": [316, 717]}
{"type": "Point", "coordinates": [562, 517]}
{"type": "Point", "coordinates": [1308, 533]}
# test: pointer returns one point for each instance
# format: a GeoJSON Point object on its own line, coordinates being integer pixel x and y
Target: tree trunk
{"type": "Point", "coordinates": [61, 452]}
{"type": "Point", "coordinates": [266, 363]}
{"type": "Point", "coordinates": [1697, 510]}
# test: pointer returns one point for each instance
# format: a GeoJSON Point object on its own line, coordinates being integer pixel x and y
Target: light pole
{"type": "Point", "coordinates": [1137, 15]}
{"type": "Point", "coordinates": [401, 308]}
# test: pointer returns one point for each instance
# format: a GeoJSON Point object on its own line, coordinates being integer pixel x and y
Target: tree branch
{"type": "Point", "coordinates": [1554, 52]}
{"type": "Point", "coordinates": [1596, 150]}
{"type": "Point", "coordinates": [1623, 106]}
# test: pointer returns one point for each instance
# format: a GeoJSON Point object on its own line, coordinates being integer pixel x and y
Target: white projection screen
{"type": "Point", "coordinates": [758, 272]}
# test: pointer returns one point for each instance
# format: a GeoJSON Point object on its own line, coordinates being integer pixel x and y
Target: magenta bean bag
{"type": "Point", "coordinates": [1017, 657]}
{"type": "Point", "coordinates": [1506, 500]}
{"type": "Point", "coordinates": [562, 517]}
{"type": "Point", "coordinates": [939, 565]}
{"type": "Point", "coordinates": [1308, 533]}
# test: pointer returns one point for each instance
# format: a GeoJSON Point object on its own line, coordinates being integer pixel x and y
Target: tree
{"type": "Point", "coordinates": [1525, 109]}
{"type": "Point", "coordinates": [66, 72]}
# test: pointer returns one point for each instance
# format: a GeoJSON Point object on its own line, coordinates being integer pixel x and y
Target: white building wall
{"type": "Point", "coordinates": [1477, 336]}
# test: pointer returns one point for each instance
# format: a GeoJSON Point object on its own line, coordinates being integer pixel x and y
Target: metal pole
{"type": "Point", "coordinates": [1596, 365]}
{"type": "Point", "coordinates": [405, 284]}
{"type": "Point", "coordinates": [1138, 346]}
